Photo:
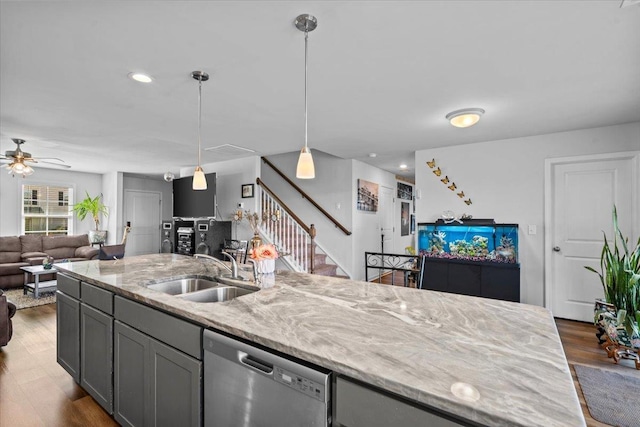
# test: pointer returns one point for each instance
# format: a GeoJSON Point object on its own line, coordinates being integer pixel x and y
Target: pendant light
{"type": "Point", "coordinates": [305, 169]}
{"type": "Point", "coordinates": [199, 180]}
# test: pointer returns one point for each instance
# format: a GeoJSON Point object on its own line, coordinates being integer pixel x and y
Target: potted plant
{"type": "Point", "coordinates": [92, 206]}
{"type": "Point", "coordinates": [620, 277]}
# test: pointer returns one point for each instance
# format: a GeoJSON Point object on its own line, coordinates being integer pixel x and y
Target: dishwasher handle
{"type": "Point", "coordinates": [257, 364]}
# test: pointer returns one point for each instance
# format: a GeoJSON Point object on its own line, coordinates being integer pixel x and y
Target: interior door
{"type": "Point", "coordinates": [142, 210]}
{"type": "Point", "coordinates": [581, 193]}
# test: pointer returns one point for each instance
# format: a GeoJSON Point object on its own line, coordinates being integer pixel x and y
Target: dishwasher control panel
{"type": "Point", "coordinates": [299, 383]}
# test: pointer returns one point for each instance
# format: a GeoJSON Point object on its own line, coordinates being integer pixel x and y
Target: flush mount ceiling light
{"type": "Point", "coordinates": [403, 166]}
{"type": "Point", "coordinates": [199, 180]}
{"type": "Point", "coordinates": [139, 77]}
{"type": "Point", "coordinates": [305, 169]}
{"type": "Point", "coordinates": [465, 117]}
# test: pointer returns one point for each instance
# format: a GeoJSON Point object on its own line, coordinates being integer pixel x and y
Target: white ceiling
{"type": "Point", "coordinates": [382, 76]}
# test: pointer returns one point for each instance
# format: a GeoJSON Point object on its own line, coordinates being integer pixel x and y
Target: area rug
{"type": "Point", "coordinates": [27, 301]}
{"type": "Point", "coordinates": [612, 398]}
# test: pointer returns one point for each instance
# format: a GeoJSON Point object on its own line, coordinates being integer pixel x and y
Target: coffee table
{"type": "Point", "coordinates": [37, 286]}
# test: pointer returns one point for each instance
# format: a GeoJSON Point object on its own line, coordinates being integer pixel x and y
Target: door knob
{"type": "Point", "coordinates": [556, 248]}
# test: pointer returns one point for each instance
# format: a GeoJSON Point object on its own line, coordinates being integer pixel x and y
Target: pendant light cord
{"type": "Point", "coordinates": [306, 126]}
{"type": "Point", "coordinates": [199, 115]}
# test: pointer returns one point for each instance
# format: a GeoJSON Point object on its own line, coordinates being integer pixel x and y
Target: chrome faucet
{"type": "Point", "coordinates": [256, 279]}
{"type": "Point", "coordinates": [234, 265]}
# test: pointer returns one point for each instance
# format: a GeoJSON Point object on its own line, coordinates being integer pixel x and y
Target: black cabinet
{"type": "Point", "coordinates": [68, 334]}
{"type": "Point", "coordinates": [497, 281]}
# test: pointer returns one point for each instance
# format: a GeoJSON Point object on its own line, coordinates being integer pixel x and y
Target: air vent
{"type": "Point", "coordinates": [229, 150]}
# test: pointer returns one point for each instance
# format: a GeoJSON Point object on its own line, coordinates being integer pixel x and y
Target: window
{"type": "Point", "coordinates": [47, 210]}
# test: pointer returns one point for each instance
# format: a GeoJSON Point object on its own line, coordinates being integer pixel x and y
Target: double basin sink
{"type": "Point", "coordinates": [199, 289]}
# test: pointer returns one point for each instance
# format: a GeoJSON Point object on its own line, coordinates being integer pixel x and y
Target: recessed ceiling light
{"type": "Point", "coordinates": [403, 166]}
{"type": "Point", "coordinates": [139, 77]}
{"type": "Point", "coordinates": [465, 117]}
{"type": "Point", "coordinates": [372, 154]}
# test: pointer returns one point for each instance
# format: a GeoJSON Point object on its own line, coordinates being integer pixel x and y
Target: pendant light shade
{"type": "Point", "coordinates": [199, 180]}
{"type": "Point", "coordinates": [305, 169]}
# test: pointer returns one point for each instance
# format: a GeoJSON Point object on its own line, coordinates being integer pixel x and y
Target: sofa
{"type": "Point", "coordinates": [7, 310]}
{"type": "Point", "coordinates": [20, 251]}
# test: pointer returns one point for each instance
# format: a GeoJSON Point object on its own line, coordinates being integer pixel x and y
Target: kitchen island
{"type": "Point", "coordinates": [425, 346]}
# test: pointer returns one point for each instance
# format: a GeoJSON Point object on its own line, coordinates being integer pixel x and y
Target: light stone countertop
{"type": "Point", "coordinates": [411, 342]}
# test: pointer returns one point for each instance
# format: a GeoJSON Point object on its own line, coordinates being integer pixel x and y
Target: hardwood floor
{"type": "Point", "coordinates": [36, 391]}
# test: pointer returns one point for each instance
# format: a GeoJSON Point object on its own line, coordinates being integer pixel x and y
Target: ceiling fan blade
{"type": "Point", "coordinates": [54, 164]}
{"type": "Point", "coordinates": [48, 158]}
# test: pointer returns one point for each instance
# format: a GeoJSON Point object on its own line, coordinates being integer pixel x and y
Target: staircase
{"type": "Point", "coordinates": [294, 239]}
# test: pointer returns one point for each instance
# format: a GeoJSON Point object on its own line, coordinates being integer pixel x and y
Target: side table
{"type": "Point", "coordinates": [37, 285]}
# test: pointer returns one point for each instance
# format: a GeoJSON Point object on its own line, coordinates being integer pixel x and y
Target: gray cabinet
{"type": "Point", "coordinates": [175, 387]}
{"type": "Point", "coordinates": [96, 355]}
{"type": "Point", "coordinates": [155, 383]}
{"type": "Point", "coordinates": [358, 405]}
{"type": "Point", "coordinates": [85, 337]}
{"type": "Point", "coordinates": [131, 355]}
{"type": "Point", "coordinates": [68, 334]}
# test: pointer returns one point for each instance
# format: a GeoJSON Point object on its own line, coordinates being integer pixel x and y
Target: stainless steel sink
{"type": "Point", "coordinates": [182, 286]}
{"type": "Point", "coordinates": [217, 294]}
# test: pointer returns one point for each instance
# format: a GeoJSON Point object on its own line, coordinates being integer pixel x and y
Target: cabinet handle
{"type": "Point", "coordinates": [254, 363]}
{"type": "Point", "coordinates": [556, 248]}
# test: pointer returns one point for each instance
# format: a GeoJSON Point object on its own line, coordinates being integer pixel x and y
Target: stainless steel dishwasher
{"type": "Point", "coordinates": [245, 386]}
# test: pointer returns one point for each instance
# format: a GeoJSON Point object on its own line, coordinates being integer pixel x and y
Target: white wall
{"type": "Point", "coordinates": [11, 195]}
{"type": "Point", "coordinates": [113, 197]}
{"type": "Point", "coordinates": [366, 225]}
{"type": "Point", "coordinates": [505, 181]}
{"type": "Point", "coordinates": [330, 189]}
{"type": "Point", "coordinates": [230, 175]}
{"type": "Point", "coordinates": [134, 182]}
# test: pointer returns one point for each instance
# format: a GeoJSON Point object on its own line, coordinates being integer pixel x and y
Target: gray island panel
{"type": "Point", "coordinates": [418, 344]}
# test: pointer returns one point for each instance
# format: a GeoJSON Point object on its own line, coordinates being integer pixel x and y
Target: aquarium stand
{"type": "Point", "coordinates": [497, 281]}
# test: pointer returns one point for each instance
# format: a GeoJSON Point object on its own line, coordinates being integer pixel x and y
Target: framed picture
{"type": "Point", "coordinates": [367, 196]}
{"type": "Point", "coordinates": [247, 191]}
{"type": "Point", "coordinates": [405, 191]}
{"type": "Point", "coordinates": [404, 219]}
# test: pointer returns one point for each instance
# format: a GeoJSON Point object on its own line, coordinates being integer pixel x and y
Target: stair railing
{"type": "Point", "coordinates": [306, 196]}
{"type": "Point", "coordinates": [286, 230]}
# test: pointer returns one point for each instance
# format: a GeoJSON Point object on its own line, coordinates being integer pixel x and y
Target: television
{"type": "Point", "coordinates": [190, 203]}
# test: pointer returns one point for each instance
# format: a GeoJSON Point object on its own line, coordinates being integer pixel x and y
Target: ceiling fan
{"type": "Point", "coordinates": [17, 159]}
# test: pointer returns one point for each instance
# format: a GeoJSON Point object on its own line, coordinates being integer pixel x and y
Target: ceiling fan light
{"type": "Point", "coordinates": [465, 117]}
{"type": "Point", "coordinates": [306, 168]}
{"type": "Point", "coordinates": [28, 170]}
{"type": "Point", "coordinates": [199, 180]}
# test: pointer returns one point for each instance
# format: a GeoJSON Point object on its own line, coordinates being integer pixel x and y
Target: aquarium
{"type": "Point", "coordinates": [473, 240]}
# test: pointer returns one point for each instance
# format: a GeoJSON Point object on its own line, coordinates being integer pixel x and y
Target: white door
{"type": "Point", "coordinates": [580, 193]}
{"type": "Point", "coordinates": [386, 211]}
{"type": "Point", "coordinates": [142, 210]}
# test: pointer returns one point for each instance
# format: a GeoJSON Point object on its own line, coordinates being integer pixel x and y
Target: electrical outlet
{"type": "Point", "coordinates": [532, 229]}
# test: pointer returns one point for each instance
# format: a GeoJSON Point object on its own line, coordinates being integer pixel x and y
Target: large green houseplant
{"type": "Point", "coordinates": [620, 276]}
{"type": "Point", "coordinates": [92, 206]}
